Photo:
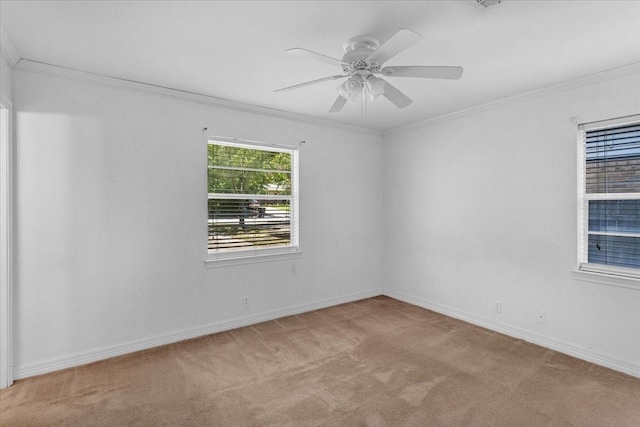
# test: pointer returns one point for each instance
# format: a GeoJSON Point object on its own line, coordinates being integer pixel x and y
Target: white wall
{"type": "Point", "coordinates": [483, 208]}
{"type": "Point", "coordinates": [111, 212]}
{"type": "Point", "coordinates": [112, 222]}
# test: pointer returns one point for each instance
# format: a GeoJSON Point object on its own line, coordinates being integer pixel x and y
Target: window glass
{"type": "Point", "coordinates": [610, 198]}
{"type": "Point", "coordinates": [251, 197]}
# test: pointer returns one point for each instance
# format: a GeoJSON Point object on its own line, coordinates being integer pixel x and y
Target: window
{"type": "Point", "coordinates": [609, 197]}
{"type": "Point", "coordinates": [252, 199]}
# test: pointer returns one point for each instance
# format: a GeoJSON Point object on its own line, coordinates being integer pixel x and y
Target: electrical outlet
{"type": "Point", "coordinates": [497, 306]}
{"type": "Point", "coordinates": [542, 317]}
{"type": "Point", "coordinates": [245, 301]}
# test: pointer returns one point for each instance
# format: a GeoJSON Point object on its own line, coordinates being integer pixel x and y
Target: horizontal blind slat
{"type": "Point", "coordinates": [612, 165]}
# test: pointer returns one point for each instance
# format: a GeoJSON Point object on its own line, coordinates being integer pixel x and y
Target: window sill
{"type": "Point", "coordinates": [242, 259]}
{"type": "Point", "coordinates": [606, 279]}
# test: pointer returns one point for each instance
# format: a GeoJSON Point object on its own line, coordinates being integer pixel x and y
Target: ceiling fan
{"type": "Point", "coordinates": [363, 60]}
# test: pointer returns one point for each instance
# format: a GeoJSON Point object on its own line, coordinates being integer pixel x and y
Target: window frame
{"type": "Point", "coordinates": [244, 256]}
{"type": "Point", "coordinates": [592, 272]}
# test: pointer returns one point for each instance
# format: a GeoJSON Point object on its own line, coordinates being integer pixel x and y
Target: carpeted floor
{"type": "Point", "coordinates": [376, 362]}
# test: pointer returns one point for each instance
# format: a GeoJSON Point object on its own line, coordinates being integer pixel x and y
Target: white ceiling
{"type": "Point", "coordinates": [236, 50]}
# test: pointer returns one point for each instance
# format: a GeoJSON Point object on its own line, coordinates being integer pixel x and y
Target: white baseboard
{"type": "Point", "coordinates": [563, 347]}
{"type": "Point", "coordinates": [78, 359]}
{"type": "Point", "coordinates": [72, 360]}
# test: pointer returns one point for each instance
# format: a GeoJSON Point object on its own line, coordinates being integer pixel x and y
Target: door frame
{"type": "Point", "coordinates": [7, 161]}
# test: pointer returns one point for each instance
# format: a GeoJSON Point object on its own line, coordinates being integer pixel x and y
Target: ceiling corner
{"type": "Point", "coordinates": [7, 48]}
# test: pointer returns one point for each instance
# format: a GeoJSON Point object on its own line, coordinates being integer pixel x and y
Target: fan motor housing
{"type": "Point", "coordinates": [357, 50]}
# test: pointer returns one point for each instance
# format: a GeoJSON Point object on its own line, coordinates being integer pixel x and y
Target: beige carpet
{"type": "Point", "coordinates": [376, 362]}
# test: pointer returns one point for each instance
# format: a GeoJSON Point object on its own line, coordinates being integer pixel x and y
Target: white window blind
{"type": "Point", "coordinates": [609, 197]}
{"type": "Point", "coordinates": [252, 199]}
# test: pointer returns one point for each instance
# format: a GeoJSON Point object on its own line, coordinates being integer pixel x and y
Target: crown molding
{"type": "Point", "coordinates": [70, 73]}
{"type": "Point", "coordinates": [7, 49]}
{"type": "Point", "coordinates": [73, 74]}
{"type": "Point", "coordinates": [611, 74]}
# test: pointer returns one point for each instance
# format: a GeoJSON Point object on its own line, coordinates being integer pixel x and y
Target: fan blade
{"type": "Point", "coordinates": [314, 55]}
{"type": "Point", "coordinates": [394, 95]}
{"type": "Point", "coordinates": [396, 44]}
{"type": "Point", "coordinates": [337, 106]}
{"type": "Point", "coordinates": [312, 82]}
{"type": "Point", "coordinates": [449, 73]}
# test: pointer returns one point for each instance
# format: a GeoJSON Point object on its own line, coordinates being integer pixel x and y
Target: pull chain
{"type": "Point", "coordinates": [363, 108]}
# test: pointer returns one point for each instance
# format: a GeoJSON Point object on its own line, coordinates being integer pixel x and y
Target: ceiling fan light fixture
{"type": "Point", "coordinates": [354, 84]}
{"type": "Point", "coordinates": [375, 87]}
